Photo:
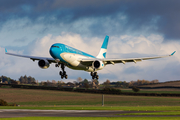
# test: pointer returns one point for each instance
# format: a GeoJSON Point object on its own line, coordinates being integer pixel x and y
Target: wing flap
{"type": "Point", "coordinates": [111, 61]}
{"type": "Point", "coordinates": [87, 61]}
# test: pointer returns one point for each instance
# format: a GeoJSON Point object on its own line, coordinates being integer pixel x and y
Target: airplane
{"type": "Point", "coordinates": [64, 55]}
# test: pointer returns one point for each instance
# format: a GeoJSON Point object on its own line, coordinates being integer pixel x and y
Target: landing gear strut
{"type": "Point", "coordinates": [57, 65]}
{"type": "Point", "coordinates": [94, 75]}
{"type": "Point", "coordinates": [63, 72]}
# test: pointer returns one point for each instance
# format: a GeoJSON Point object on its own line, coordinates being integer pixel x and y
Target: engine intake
{"type": "Point", "coordinates": [98, 65]}
{"type": "Point", "coordinates": [44, 64]}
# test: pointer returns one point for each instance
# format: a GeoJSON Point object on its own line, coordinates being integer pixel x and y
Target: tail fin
{"type": "Point", "coordinates": [102, 53]}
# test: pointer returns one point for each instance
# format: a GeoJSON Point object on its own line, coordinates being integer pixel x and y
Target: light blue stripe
{"type": "Point", "coordinates": [105, 43]}
{"type": "Point", "coordinates": [104, 54]}
{"type": "Point", "coordinates": [173, 53]}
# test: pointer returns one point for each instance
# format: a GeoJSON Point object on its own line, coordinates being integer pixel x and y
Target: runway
{"type": "Point", "coordinates": [8, 113]}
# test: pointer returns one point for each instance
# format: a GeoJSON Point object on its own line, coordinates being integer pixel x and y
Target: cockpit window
{"type": "Point", "coordinates": [56, 46]}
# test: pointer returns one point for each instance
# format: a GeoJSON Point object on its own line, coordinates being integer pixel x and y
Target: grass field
{"type": "Point", "coordinates": [155, 113]}
{"type": "Point", "coordinates": [170, 91]}
{"type": "Point", "coordinates": [125, 108]}
{"type": "Point", "coordinates": [93, 118]}
{"type": "Point", "coordinates": [26, 97]}
{"type": "Point", "coordinates": [59, 100]}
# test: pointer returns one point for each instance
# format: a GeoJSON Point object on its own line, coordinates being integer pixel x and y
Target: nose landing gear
{"type": "Point", "coordinates": [94, 75]}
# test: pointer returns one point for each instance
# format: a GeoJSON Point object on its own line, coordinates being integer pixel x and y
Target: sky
{"type": "Point", "coordinates": [136, 28]}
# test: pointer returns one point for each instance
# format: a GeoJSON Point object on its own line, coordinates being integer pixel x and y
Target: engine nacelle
{"type": "Point", "coordinates": [98, 65]}
{"type": "Point", "coordinates": [44, 64]}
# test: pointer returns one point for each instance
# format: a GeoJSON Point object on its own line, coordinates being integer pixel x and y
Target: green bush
{"type": "Point", "coordinates": [14, 104]}
{"type": "Point", "coordinates": [113, 90]}
{"type": "Point", "coordinates": [135, 89]}
{"type": "Point", "coordinates": [107, 89]}
{"type": "Point", "coordinates": [3, 103]}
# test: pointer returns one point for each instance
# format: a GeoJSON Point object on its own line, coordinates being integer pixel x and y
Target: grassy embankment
{"type": "Point", "coordinates": [93, 118]}
{"type": "Point", "coordinates": [155, 113]}
{"type": "Point", "coordinates": [170, 91]}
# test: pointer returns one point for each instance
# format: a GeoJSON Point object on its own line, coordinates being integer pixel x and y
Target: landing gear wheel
{"type": "Point", "coordinates": [56, 65]}
{"type": "Point", "coordinates": [63, 72]}
{"type": "Point", "coordinates": [66, 76]}
{"type": "Point", "coordinates": [91, 74]}
{"type": "Point", "coordinates": [94, 75]}
{"type": "Point", "coordinates": [60, 73]}
{"type": "Point", "coordinates": [97, 76]}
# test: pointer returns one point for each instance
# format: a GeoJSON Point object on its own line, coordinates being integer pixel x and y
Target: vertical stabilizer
{"type": "Point", "coordinates": [102, 53]}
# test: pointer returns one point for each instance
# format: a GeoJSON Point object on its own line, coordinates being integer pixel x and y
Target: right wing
{"type": "Point", "coordinates": [113, 61]}
{"type": "Point", "coordinates": [51, 60]}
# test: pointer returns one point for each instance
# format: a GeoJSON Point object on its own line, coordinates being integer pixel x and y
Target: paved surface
{"type": "Point", "coordinates": [7, 113]}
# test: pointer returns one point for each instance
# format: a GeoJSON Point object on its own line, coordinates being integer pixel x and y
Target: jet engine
{"type": "Point", "coordinates": [44, 64]}
{"type": "Point", "coordinates": [98, 65]}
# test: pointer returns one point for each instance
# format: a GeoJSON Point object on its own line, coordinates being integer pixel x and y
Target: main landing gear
{"type": "Point", "coordinates": [63, 72]}
{"type": "Point", "coordinates": [94, 75]}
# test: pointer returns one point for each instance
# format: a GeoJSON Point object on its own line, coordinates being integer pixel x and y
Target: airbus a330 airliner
{"type": "Point", "coordinates": [64, 55]}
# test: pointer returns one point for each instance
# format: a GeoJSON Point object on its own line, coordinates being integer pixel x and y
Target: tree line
{"type": "Point", "coordinates": [22, 80]}
{"type": "Point", "coordinates": [79, 83]}
{"type": "Point", "coordinates": [27, 80]}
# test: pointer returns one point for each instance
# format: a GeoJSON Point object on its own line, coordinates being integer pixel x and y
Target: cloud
{"type": "Point", "coordinates": [123, 46]}
{"type": "Point", "coordinates": [15, 66]}
{"type": "Point", "coordinates": [134, 47]}
{"type": "Point", "coordinates": [136, 29]}
{"type": "Point", "coordinates": [115, 17]}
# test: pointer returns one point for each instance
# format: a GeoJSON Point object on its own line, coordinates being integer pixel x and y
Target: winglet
{"type": "Point", "coordinates": [5, 50]}
{"type": "Point", "coordinates": [173, 53]}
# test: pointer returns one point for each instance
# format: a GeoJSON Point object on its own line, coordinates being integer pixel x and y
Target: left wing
{"type": "Point", "coordinates": [51, 60]}
{"type": "Point", "coordinates": [113, 61]}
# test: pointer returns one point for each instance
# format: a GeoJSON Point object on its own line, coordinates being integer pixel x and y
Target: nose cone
{"type": "Point", "coordinates": [52, 52]}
